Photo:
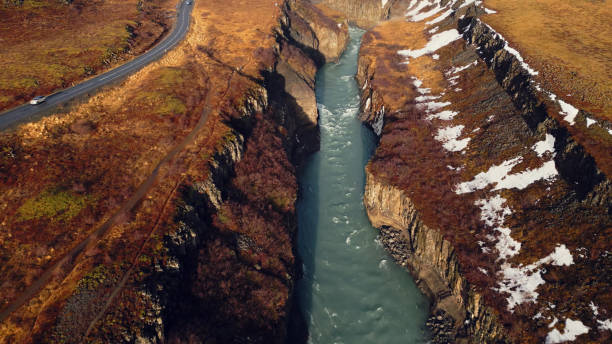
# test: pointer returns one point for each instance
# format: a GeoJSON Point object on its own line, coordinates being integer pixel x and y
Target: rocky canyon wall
{"type": "Point", "coordinates": [364, 13]}
{"type": "Point", "coordinates": [432, 260]}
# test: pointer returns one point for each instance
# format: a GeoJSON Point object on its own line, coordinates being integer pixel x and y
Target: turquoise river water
{"type": "Point", "coordinates": [352, 292]}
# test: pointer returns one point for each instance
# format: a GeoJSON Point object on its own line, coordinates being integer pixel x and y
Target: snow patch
{"type": "Point", "coordinates": [449, 135]}
{"type": "Point", "coordinates": [521, 180]}
{"type": "Point", "coordinates": [445, 115]}
{"type": "Point", "coordinates": [437, 41]}
{"type": "Point", "coordinates": [421, 99]}
{"type": "Point", "coordinates": [383, 3]}
{"type": "Point", "coordinates": [548, 145]}
{"type": "Point", "coordinates": [416, 10]}
{"type": "Point", "coordinates": [492, 211]}
{"type": "Point", "coordinates": [594, 308]}
{"type": "Point", "coordinates": [506, 245]}
{"type": "Point", "coordinates": [422, 16]}
{"type": "Point", "coordinates": [590, 122]}
{"type": "Point", "coordinates": [520, 58]}
{"type": "Point", "coordinates": [573, 329]}
{"type": "Point", "coordinates": [521, 282]}
{"type": "Point", "coordinates": [560, 256]}
{"type": "Point", "coordinates": [495, 174]}
{"type": "Point", "coordinates": [456, 70]}
{"type": "Point", "coordinates": [605, 324]}
{"type": "Point", "coordinates": [553, 323]}
{"type": "Point", "coordinates": [441, 17]}
{"type": "Point", "coordinates": [568, 112]}
{"type": "Point", "coordinates": [435, 106]}
{"type": "Point", "coordinates": [498, 175]}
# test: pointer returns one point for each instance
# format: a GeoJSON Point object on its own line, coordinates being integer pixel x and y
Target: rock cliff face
{"type": "Point", "coordinates": [311, 39]}
{"type": "Point", "coordinates": [364, 13]}
{"type": "Point", "coordinates": [432, 261]}
{"type": "Point", "coordinates": [477, 170]}
{"type": "Point", "coordinates": [322, 30]}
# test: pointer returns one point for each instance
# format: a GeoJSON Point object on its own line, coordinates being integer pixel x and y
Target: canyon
{"type": "Point", "coordinates": [166, 208]}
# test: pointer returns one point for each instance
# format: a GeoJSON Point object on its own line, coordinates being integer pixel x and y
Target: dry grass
{"type": "Point", "coordinates": [568, 41]}
{"type": "Point", "coordinates": [49, 45]}
{"type": "Point", "coordinates": [81, 166]}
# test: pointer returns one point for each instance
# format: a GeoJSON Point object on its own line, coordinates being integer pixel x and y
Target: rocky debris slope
{"type": "Point", "coordinates": [482, 185]}
{"type": "Point", "coordinates": [197, 176]}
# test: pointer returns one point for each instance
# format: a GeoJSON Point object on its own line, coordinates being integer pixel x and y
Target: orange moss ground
{"type": "Point", "coordinates": [567, 41]}
{"type": "Point", "coordinates": [49, 45]}
{"type": "Point", "coordinates": [544, 214]}
{"type": "Point", "coordinates": [64, 176]}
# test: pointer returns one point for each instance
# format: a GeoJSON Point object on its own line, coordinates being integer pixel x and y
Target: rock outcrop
{"type": "Point", "coordinates": [433, 262]}
{"type": "Point", "coordinates": [322, 30]}
{"type": "Point", "coordinates": [364, 13]}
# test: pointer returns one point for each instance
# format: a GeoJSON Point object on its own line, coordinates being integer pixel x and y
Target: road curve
{"type": "Point", "coordinates": [27, 112]}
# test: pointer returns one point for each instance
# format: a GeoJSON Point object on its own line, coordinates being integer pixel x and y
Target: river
{"type": "Point", "coordinates": [352, 292]}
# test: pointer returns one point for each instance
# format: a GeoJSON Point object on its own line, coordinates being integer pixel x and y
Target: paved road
{"type": "Point", "coordinates": [29, 112]}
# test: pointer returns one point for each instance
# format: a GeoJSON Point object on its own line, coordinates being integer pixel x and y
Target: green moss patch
{"type": "Point", "coordinates": [58, 205]}
{"type": "Point", "coordinates": [164, 100]}
{"type": "Point", "coordinates": [164, 104]}
{"type": "Point", "coordinates": [94, 278]}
